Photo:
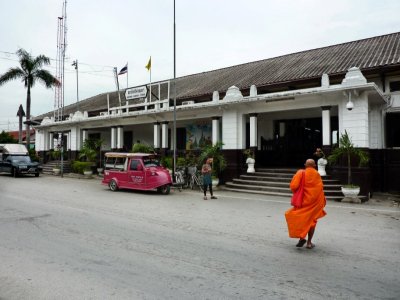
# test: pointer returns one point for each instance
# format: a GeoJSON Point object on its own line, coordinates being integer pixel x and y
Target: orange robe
{"type": "Point", "coordinates": [300, 220]}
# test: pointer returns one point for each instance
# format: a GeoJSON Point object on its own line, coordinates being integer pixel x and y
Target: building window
{"type": "Point", "coordinates": [394, 86]}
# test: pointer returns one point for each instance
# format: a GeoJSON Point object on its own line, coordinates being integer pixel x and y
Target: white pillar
{"type": "Point", "coordinates": [326, 125]}
{"type": "Point", "coordinates": [68, 146]}
{"type": "Point", "coordinates": [113, 137]}
{"type": "Point", "coordinates": [120, 137]}
{"type": "Point", "coordinates": [253, 130]}
{"type": "Point", "coordinates": [156, 135]}
{"type": "Point", "coordinates": [84, 135]}
{"type": "Point", "coordinates": [164, 135]}
{"type": "Point", "coordinates": [233, 129]}
{"type": "Point", "coordinates": [215, 130]}
{"type": "Point", "coordinates": [51, 140]}
{"type": "Point", "coordinates": [45, 141]}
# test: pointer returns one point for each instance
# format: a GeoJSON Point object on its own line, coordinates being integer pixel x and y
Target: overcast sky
{"type": "Point", "coordinates": [210, 34]}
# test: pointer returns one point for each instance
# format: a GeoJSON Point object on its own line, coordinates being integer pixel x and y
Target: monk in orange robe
{"type": "Point", "coordinates": [302, 221]}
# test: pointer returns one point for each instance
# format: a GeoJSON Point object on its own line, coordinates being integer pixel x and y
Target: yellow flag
{"type": "Point", "coordinates": [148, 66]}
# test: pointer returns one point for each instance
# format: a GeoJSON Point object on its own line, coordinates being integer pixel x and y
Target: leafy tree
{"type": "Point", "coordinates": [30, 71]}
{"type": "Point", "coordinates": [347, 150]}
{"type": "Point", "coordinates": [5, 138]}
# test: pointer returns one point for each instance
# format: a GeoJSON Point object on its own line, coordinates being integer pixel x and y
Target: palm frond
{"type": "Point", "coordinates": [12, 74]}
{"type": "Point", "coordinates": [46, 78]}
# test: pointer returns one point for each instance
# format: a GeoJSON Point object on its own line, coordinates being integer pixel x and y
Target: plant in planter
{"type": "Point", "coordinates": [57, 169]}
{"type": "Point", "coordinates": [347, 150]}
{"type": "Point", "coordinates": [88, 153]}
{"type": "Point", "coordinates": [250, 161]}
{"type": "Point", "coordinates": [215, 152]}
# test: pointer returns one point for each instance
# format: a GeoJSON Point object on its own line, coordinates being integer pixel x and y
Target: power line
{"type": "Point", "coordinates": [67, 59]}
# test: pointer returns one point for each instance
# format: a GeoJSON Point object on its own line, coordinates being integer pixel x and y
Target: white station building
{"type": "Point", "coordinates": [282, 107]}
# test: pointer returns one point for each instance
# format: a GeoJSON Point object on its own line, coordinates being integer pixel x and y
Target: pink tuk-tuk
{"type": "Point", "coordinates": [135, 171]}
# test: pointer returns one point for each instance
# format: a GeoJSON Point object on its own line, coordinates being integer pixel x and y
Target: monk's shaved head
{"type": "Point", "coordinates": [310, 163]}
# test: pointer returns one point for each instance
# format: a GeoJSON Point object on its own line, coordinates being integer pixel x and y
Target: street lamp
{"type": "Point", "coordinates": [75, 64]}
{"type": "Point", "coordinates": [174, 169]}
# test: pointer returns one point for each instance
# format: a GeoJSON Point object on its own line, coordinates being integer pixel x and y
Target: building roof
{"type": "Point", "coordinates": [380, 52]}
{"type": "Point", "coordinates": [15, 134]}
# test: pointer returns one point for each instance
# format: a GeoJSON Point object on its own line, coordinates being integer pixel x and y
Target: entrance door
{"type": "Point", "coordinates": [294, 141]}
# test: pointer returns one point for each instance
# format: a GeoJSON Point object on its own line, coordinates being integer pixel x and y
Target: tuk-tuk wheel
{"type": "Point", "coordinates": [165, 189]}
{"type": "Point", "coordinates": [113, 185]}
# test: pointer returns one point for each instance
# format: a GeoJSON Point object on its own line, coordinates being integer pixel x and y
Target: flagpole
{"type": "Point", "coordinates": [127, 72]}
{"type": "Point", "coordinates": [150, 81]}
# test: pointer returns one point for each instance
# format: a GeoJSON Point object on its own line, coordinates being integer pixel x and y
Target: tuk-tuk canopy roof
{"type": "Point", "coordinates": [128, 154]}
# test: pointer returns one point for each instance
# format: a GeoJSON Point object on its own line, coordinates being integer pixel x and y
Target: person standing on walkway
{"type": "Point", "coordinates": [206, 170]}
{"type": "Point", "coordinates": [302, 221]}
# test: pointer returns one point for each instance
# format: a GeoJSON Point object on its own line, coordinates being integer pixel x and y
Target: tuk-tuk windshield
{"type": "Point", "coordinates": [151, 162]}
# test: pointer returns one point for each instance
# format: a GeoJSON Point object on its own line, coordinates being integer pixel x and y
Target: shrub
{"type": "Point", "coordinates": [166, 162]}
{"type": "Point", "coordinates": [80, 166]}
{"type": "Point", "coordinates": [142, 148]}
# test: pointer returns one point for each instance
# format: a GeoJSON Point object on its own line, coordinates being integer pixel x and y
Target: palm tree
{"type": "Point", "coordinates": [30, 71]}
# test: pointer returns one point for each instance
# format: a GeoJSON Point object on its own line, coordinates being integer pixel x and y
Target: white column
{"type": "Point", "coordinates": [326, 125]}
{"type": "Point", "coordinates": [75, 136]}
{"type": "Point", "coordinates": [113, 137]}
{"type": "Point", "coordinates": [39, 140]}
{"type": "Point", "coordinates": [51, 140]}
{"type": "Point", "coordinates": [233, 129]}
{"type": "Point", "coordinates": [156, 135]}
{"type": "Point", "coordinates": [215, 130]}
{"type": "Point", "coordinates": [253, 130]}
{"type": "Point", "coordinates": [78, 139]}
{"type": "Point", "coordinates": [68, 146]}
{"type": "Point", "coordinates": [84, 135]}
{"type": "Point", "coordinates": [45, 140]}
{"type": "Point", "coordinates": [120, 137]}
{"type": "Point", "coordinates": [164, 135]}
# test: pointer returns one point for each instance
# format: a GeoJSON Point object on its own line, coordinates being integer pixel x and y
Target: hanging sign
{"type": "Point", "coordinates": [135, 93]}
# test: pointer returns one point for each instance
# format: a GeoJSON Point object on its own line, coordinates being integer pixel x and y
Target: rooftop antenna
{"type": "Point", "coordinates": [60, 59]}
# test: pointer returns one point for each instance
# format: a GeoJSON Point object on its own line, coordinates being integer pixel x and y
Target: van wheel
{"type": "Point", "coordinates": [37, 174]}
{"type": "Point", "coordinates": [113, 185]}
{"type": "Point", "coordinates": [165, 189]}
{"type": "Point", "coordinates": [14, 172]}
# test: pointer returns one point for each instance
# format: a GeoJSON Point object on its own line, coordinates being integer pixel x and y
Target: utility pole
{"type": "Point", "coordinates": [75, 64]}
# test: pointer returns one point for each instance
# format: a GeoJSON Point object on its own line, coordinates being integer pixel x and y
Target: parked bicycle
{"type": "Point", "coordinates": [195, 178]}
{"type": "Point", "coordinates": [180, 181]}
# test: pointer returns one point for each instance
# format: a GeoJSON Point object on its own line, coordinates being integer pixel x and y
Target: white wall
{"type": "Point", "coordinates": [355, 121]}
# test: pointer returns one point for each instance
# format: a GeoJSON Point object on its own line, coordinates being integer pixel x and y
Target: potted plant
{"type": "Point", "coordinates": [250, 161]}
{"type": "Point", "coordinates": [321, 162]}
{"type": "Point", "coordinates": [57, 169]}
{"type": "Point", "coordinates": [219, 162]}
{"type": "Point", "coordinates": [347, 150]}
{"type": "Point", "coordinates": [88, 153]}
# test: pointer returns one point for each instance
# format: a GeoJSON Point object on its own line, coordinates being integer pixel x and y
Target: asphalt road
{"type": "Point", "coordinates": [74, 239]}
